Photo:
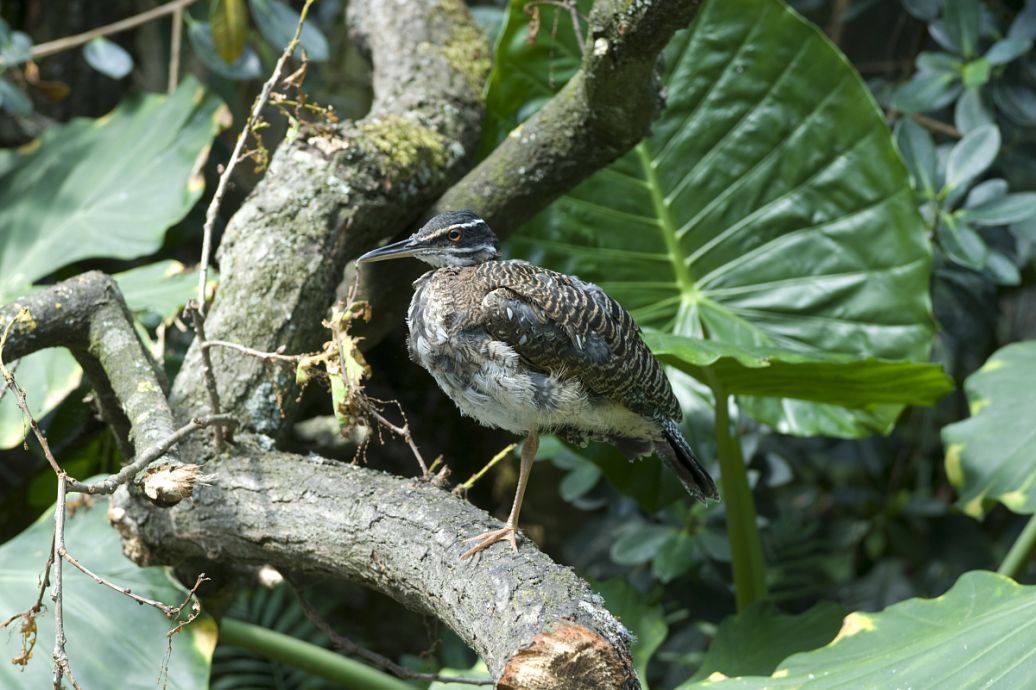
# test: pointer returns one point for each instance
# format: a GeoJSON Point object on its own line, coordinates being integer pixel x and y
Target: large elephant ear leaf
{"type": "Point", "coordinates": [767, 209]}
{"type": "Point", "coordinates": [991, 456]}
{"type": "Point", "coordinates": [976, 635]}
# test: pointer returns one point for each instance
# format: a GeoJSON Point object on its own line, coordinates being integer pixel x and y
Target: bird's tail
{"type": "Point", "coordinates": [681, 460]}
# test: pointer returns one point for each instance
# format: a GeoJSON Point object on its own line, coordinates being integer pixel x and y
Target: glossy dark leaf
{"type": "Point", "coordinates": [970, 112]}
{"type": "Point", "coordinates": [962, 19]}
{"type": "Point", "coordinates": [916, 146]}
{"type": "Point", "coordinates": [246, 67]}
{"type": "Point", "coordinates": [972, 155]}
{"type": "Point", "coordinates": [1002, 211]}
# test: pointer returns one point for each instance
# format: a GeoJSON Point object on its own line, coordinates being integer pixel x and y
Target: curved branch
{"type": "Point", "coordinates": [87, 315]}
{"type": "Point", "coordinates": [537, 625]}
{"type": "Point", "coordinates": [600, 114]}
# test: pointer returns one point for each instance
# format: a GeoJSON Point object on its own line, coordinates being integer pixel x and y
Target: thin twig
{"type": "Point", "coordinates": [224, 178]}
{"type": "Point", "coordinates": [254, 353]}
{"type": "Point", "coordinates": [194, 309]}
{"type": "Point", "coordinates": [19, 395]}
{"type": "Point", "coordinates": [60, 657]}
{"type": "Point", "coordinates": [350, 647]}
{"type": "Point", "coordinates": [466, 486]}
{"type": "Point", "coordinates": [164, 608]}
{"type": "Point", "coordinates": [110, 483]}
{"type": "Point", "coordinates": [7, 385]}
{"type": "Point", "coordinates": [573, 11]}
{"type": "Point", "coordinates": [175, 42]}
{"type": "Point", "coordinates": [52, 47]}
{"type": "Point", "coordinates": [937, 125]}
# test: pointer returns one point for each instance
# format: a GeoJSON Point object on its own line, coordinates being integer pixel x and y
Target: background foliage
{"type": "Point", "coordinates": [814, 216]}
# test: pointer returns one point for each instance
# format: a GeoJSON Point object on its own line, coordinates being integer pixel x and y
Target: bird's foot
{"type": "Point", "coordinates": [487, 539]}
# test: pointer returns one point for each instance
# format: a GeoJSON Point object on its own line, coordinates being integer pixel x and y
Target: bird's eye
{"type": "Point", "coordinates": [453, 235]}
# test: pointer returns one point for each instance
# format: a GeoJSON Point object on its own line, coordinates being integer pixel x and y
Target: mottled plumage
{"type": "Point", "coordinates": [525, 349]}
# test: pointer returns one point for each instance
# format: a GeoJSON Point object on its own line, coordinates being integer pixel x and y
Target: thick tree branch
{"type": "Point", "coordinates": [87, 315]}
{"type": "Point", "coordinates": [537, 625]}
{"type": "Point", "coordinates": [333, 190]}
{"type": "Point", "coordinates": [599, 115]}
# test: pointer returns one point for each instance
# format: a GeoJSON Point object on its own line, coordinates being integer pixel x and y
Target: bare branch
{"type": "Point", "coordinates": [198, 319]}
{"type": "Point", "coordinates": [274, 356]}
{"type": "Point", "coordinates": [60, 657]}
{"type": "Point", "coordinates": [52, 47]}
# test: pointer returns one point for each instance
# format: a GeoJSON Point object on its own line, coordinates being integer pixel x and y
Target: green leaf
{"type": "Point", "coordinates": [108, 187]}
{"type": "Point", "coordinates": [926, 91]}
{"type": "Point", "coordinates": [526, 73]}
{"type": "Point", "coordinates": [754, 641]}
{"type": "Point", "coordinates": [976, 635]}
{"type": "Point", "coordinates": [108, 57]}
{"type": "Point", "coordinates": [162, 287]}
{"type": "Point", "coordinates": [972, 155]}
{"type": "Point", "coordinates": [1017, 101]}
{"type": "Point", "coordinates": [1002, 211]}
{"type": "Point", "coordinates": [991, 456]}
{"type": "Point", "coordinates": [113, 642]}
{"type": "Point", "coordinates": [767, 371]}
{"type": "Point", "coordinates": [277, 23]}
{"type": "Point", "coordinates": [93, 188]}
{"type": "Point", "coordinates": [245, 68]}
{"type": "Point", "coordinates": [13, 100]}
{"type": "Point", "coordinates": [976, 73]}
{"type": "Point", "coordinates": [229, 20]}
{"type": "Point", "coordinates": [970, 112]}
{"type": "Point", "coordinates": [918, 150]}
{"type": "Point", "coordinates": [15, 47]}
{"type": "Point", "coordinates": [962, 20]}
{"type": "Point", "coordinates": [961, 243]}
{"type": "Point", "coordinates": [768, 208]}
{"type": "Point", "coordinates": [675, 557]}
{"type": "Point", "coordinates": [1007, 49]}
{"type": "Point", "coordinates": [639, 542]}
{"type": "Point", "coordinates": [644, 620]}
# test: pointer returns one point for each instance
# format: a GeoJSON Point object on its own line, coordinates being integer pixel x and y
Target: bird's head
{"type": "Point", "coordinates": [456, 238]}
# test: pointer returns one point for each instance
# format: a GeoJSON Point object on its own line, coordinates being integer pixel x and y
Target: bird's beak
{"type": "Point", "coordinates": [396, 250]}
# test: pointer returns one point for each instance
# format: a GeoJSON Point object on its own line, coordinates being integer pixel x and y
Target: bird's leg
{"type": "Point", "coordinates": [510, 530]}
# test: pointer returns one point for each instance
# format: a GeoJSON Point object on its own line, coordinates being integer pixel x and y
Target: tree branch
{"type": "Point", "coordinates": [332, 190]}
{"type": "Point", "coordinates": [600, 114]}
{"type": "Point", "coordinates": [535, 623]}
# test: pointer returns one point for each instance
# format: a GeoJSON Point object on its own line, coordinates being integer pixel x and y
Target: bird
{"type": "Point", "coordinates": [530, 350]}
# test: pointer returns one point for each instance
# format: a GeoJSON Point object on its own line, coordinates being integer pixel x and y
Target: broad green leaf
{"type": "Point", "coordinates": [1002, 211]}
{"type": "Point", "coordinates": [972, 155]}
{"type": "Point", "coordinates": [961, 243]}
{"type": "Point", "coordinates": [754, 641]}
{"type": "Point", "coordinates": [767, 208]}
{"type": "Point", "coordinates": [991, 456]}
{"type": "Point", "coordinates": [92, 188]}
{"type": "Point", "coordinates": [108, 57]}
{"type": "Point", "coordinates": [229, 20]}
{"type": "Point", "coordinates": [108, 187]}
{"type": "Point", "coordinates": [767, 371]}
{"type": "Point", "coordinates": [113, 642]}
{"type": "Point", "coordinates": [645, 620]}
{"type": "Point", "coordinates": [529, 67]}
{"type": "Point", "coordinates": [47, 377]}
{"type": "Point", "coordinates": [977, 635]}
{"type": "Point", "coordinates": [15, 46]}
{"type": "Point", "coordinates": [676, 556]}
{"type": "Point", "coordinates": [162, 287]}
{"type": "Point", "coordinates": [277, 23]}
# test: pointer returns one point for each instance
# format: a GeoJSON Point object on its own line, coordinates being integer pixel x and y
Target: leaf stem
{"type": "Point", "coordinates": [745, 546]}
{"type": "Point", "coordinates": [1021, 553]}
{"type": "Point", "coordinates": [306, 656]}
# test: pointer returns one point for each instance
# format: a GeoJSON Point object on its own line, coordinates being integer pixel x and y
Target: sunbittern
{"type": "Point", "coordinates": [527, 349]}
